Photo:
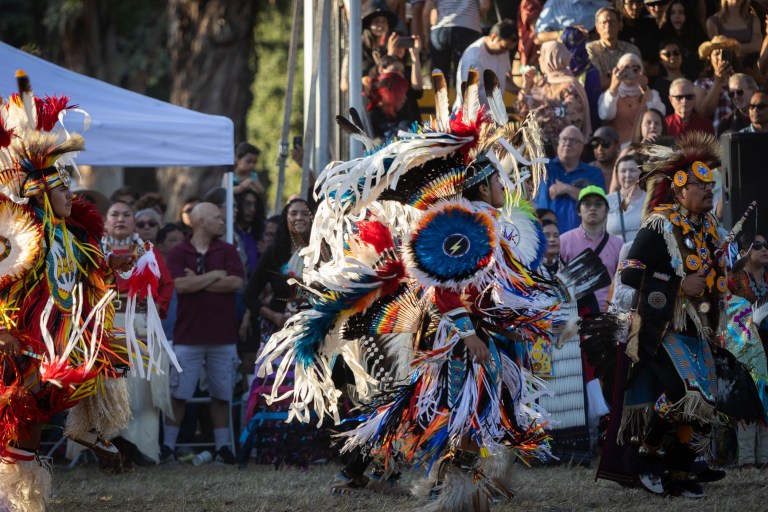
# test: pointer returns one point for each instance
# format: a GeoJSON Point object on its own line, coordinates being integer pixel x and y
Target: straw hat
{"type": "Point", "coordinates": [718, 42]}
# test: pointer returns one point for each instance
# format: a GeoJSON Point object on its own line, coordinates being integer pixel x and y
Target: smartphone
{"type": "Point", "coordinates": [726, 55]}
{"type": "Point", "coordinates": [404, 42]}
{"type": "Point", "coordinates": [297, 142]}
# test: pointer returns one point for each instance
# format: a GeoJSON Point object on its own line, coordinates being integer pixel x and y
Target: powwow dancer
{"type": "Point", "coordinates": [411, 256]}
{"type": "Point", "coordinates": [681, 382]}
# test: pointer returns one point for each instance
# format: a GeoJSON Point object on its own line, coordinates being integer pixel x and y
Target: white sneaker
{"type": "Point", "coordinates": [651, 483]}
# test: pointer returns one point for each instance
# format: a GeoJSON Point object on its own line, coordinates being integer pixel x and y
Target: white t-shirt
{"type": "Point", "coordinates": [477, 55]}
{"type": "Point", "coordinates": [631, 216]}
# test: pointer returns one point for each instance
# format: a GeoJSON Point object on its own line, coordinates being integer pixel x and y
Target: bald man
{"type": "Point", "coordinates": [207, 272]}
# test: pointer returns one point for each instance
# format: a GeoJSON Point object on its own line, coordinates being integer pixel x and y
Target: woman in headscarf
{"type": "Point", "coordinates": [576, 39]}
{"type": "Point", "coordinates": [558, 99]}
{"type": "Point", "coordinates": [627, 97]}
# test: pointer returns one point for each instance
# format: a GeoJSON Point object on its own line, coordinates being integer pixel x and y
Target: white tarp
{"type": "Point", "coordinates": [127, 129]}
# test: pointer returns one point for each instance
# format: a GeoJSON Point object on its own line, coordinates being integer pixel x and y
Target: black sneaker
{"type": "Point", "coordinates": [225, 456]}
{"type": "Point", "coordinates": [167, 455]}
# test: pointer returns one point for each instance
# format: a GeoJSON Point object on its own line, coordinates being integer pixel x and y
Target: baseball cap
{"type": "Point", "coordinates": [605, 133]}
{"type": "Point", "coordinates": [592, 190]}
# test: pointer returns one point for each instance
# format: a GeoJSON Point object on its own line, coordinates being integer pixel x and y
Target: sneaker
{"type": "Point", "coordinates": [343, 484]}
{"type": "Point", "coordinates": [651, 483]}
{"type": "Point", "coordinates": [167, 455]}
{"type": "Point", "coordinates": [225, 456]}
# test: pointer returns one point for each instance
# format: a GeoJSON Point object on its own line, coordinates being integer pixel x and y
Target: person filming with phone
{"type": "Point", "coordinates": [627, 97]}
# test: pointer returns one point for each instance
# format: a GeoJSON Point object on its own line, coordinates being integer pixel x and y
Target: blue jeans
{"type": "Point", "coordinates": [446, 45]}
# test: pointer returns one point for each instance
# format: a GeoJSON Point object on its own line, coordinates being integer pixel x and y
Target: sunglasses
{"type": "Point", "coordinates": [736, 92]}
{"type": "Point", "coordinates": [759, 245]}
{"type": "Point", "coordinates": [670, 53]}
{"type": "Point", "coordinates": [600, 143]}
{"type": "Point", "coordinates": [200, 264]}
{"type": "Point", "coordinates": [701, 185]}
{"type": "Point", "coordinates": [681, 97]}
{"type": "Point", "coordinates": [142, 224]}
{"type": "Point", "coordinates": [758, 106]}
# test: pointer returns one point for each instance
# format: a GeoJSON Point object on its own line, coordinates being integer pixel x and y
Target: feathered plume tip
{"type": "Point", "coordinates": [471, 96]}
{"type": "Point", "coordinates": [356, 131]}
{"type": "Point", "coordinates": [442, 110]}
{"type": "Point", "coordinates": [26, 99]}
{"type": "Point", "coordinates": [495, 97]}
{"type": "Point", "coordinates": [664, 162]}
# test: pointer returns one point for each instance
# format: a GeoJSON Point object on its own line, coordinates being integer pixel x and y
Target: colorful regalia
{"type": "Point", "coordinates": [55, 296]}
{"type": "Point", "coordinates": [681, 382]}
{"type": "Point", "coordinates": [415, 268]}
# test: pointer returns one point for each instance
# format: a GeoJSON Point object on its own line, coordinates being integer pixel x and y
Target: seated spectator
{"type": "Point", "coordinates": [670, 53]}
{"type": "Point", "coordinates": [736, 20]}
{"type": "Point", "coordinates": [457, 26]}
{"type": "Point", "coordinates": [605, 147]}
{"type": "Point", "coordinates": [656, 10]}
{"type": "Point", "coordinates": [651, 128]}
{"type": "Point", "coordinates": [387, 100]}
{"type": "Point", "coordinates": [378, 27]}
{"type": "Point", "coordinates": [575, 39]}
{"type": "Point", "coordinates": [489, 52]}
{"type": "Point", "coordinates": [246, 177]}
{"type": "Point", "coordinates": [606, 51]}
{"type": "Point", "coordinates": [566, 176]}
{"type": "Point", "coordinates": [712, 100]}
{"type": "Point", "coordinates": [557, 99]}
{"type": "Point", "coordinates": [127, 194]}
{"type": "Point", "coordinates": [627, 97]}
{"type": "Point", "coordinates": [148, 224]}
{"type": "Point", "coordinates": [641, 32]}
{"type": "Point", "coordinates": [395, 64]}
{"type": "Point", "coordinates": [550, 265]}
{"type": "Point", "coordinates": [152, 200]}
{"type": "Point", "coordinates": [684, 119]}
{"type": "Point", "coordinates": [758, 113]}
{"type": "Point", "coordinates": [558, 15]}
{"type": "Point", "coordinates": [741, 87]}
{"type": "Point", "coordinates": [591, 234]}
{"type": "Point", "coordinates": [680, 22]}
{"type": "Point", "coordinates": [526, 30]}
{"type": "Point", "coordinates": [626, 224]}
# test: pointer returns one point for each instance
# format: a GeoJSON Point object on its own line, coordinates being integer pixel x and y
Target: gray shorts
{"type": "Point", "coordinates": [221, 364]}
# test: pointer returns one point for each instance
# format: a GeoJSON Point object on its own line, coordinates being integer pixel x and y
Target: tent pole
{"type": "Point", "coordinates": [355, 69]}
{"type": "Point", "coordinates": [283, 157]}
{"type": "Point", "coordinates": [229, 178]}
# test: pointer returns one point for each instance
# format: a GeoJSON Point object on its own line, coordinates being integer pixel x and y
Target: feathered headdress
{"type": "Point", "coordinates": [32, 156]}
{"type": "Point", "coordinates": [695, 154]}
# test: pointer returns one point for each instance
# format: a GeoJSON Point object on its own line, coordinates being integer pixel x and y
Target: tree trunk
{"type": "Point", "coordinates": [211, 50]}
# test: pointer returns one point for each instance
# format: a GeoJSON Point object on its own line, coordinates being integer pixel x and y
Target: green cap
{"type": "Point", "coordinates": [592, 190]}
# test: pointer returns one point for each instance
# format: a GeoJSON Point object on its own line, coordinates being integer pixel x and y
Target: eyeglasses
{"type": "Point", "coordinates": [701, 185]}
{"type": "Point", "coordinates": [142, 224]}
{"type": "Point", "coordinates": [736, 92]}
{"type": "Point", "coordinates": [758, 106]}
{"type": "Point", "coordinates": [759, 245]}
{"type": "Point", "coordinates": [681, 97]}
{"type": "Point", "coordinates": [200, 264]}
{"type": "Point", "coordinates": [571, 140]}
{"type": "Point", "coordinates": [600, 143]}
{"type": "Point", "coordinates": [670, 53]}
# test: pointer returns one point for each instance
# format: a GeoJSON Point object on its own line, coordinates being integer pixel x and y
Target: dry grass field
{"type": "Point", "coordinates": [217, 488]}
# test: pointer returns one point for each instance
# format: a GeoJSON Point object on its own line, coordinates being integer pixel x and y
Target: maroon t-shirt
{"type": "Point", "coordinates": [205, 318]}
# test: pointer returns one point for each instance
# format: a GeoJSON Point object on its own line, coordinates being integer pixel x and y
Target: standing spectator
{"type": "Point", "coordinates": [127, 194]}
{"type": "Point", "coordinates": [656, 10]}
{"type": "Point", "coordinates": [169, 237]}
{"type": "Point", "coordinates": [606, 51]}
{"type": "Point", "coordinates": [680, 22]}
{"type": "Point", "coordinates": [457, 27]}
{"type": "Point", "coordinates": [626, 224]}
{"type": "Point", "coordinates": [640, 31]}
{"type": "Point", "coordinates": [741, 87]}
{"type": "Point", "coordinates": [736, 20]}
{"type": "Point", "coordinates": [526, 30]}
{"type": "Point", "coordinates": [550, 264]}
{"type": "Point", "coordinates": [246, 177]}
{"type": "Point", "coordinates": [684, 119]}
{"type": "Point", "coordinates": [558, 99]}
{"type": "Point", "coordinates": [605, 146]}
{"type": "Point", "coordinates": [712, 100]}
{"type": "Point", "coordinates": [148, 224]}
{"type": "Point", "coordinates": [575, 39]}
{"type": "Point", "coordinates": [758, 113]}
{"type": "Point", "coordinates": [566, 176]}
{"type": "Point", "coordinates": [207, 272]}
{"type": "Point", "coordinates": [591, 234]}
{"type": "Point", "coordinates": [489, 52]}
{"type": "Point", "coordinates": [558, 15]}
{"type": "Point", "coordinates": [185, 214]}
{"type": "Point", "coordinates": [378, 30]}
{"type": "Point", "coordinates": [249, 223]}
{"type": "Point", "coordinates": [650, 128]}
{"type": "Point", "coordinates": [151, 200]}
{"type": "Point", "coordinates": [671, 60]}
{"type": "Point", "coordinates": [627, 97]}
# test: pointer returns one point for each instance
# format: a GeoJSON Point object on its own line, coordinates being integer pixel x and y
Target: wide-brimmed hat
{"type": "Point", "coordinates": [718, 42]}
{"type": "Point", "coordinates": [370, 13]}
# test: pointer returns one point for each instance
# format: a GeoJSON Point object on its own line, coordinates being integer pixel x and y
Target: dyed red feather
{"type": "Point", "coordinates": [462, 128]}
{"type": "Point", "coordinates": [145, 276]}
{"type": "Point", "coordinates": [85, 215]}
{"type": "Point", "coordinates": [373, 232]}
{"type": "Point", "coordinates": [48, 110]}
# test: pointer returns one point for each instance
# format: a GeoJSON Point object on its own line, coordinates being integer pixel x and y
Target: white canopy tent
{"type": "Point", "coordinates": [127, 129]}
